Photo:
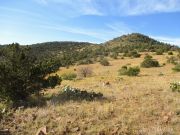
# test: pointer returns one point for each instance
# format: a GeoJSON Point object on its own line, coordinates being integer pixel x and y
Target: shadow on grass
{"type": "Point", "coordinates": [77, 96]}
{"type": "Point", "coordinates": [71, 94]}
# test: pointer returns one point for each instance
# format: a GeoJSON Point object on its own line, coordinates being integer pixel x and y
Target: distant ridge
{"type": "Point", "coordinates": [134, 39]}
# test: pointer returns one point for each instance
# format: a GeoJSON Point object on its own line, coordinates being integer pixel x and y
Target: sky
{"type": "Point", "coordinates": [96, 21]}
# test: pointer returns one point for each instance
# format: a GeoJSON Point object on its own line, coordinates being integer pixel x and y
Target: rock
{"type": "Point", "coordinates": [42, 131]}
{"type": "Point", "coordinates": [4, 110]}
{"type": "Point", "coordinates": [102, 133]}
{"type": "Point", "coordinates": [115, 131]}
{"type": "Point", "coordinates": [5, 132]}
{"type": "Point", "coordinates": [106, 83]}
{"type": "Point", "coordinates": [167, 117]}
{"type": "Point", "coordinates": [75, 129]}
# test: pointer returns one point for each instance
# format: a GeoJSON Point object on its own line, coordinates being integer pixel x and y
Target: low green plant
{"type": "Point", "coordinates": [131, 71]}
{"type": "Point", "coordinates": [104, 62]}
{"type": "Point", "coordinates": [159, 52]}
{"type": "Point", "coordinates": [132, 54]}
{"type": "Point", "coordinates": [52, 81]}
{"type": "Point", "coordinates": [160, 74]}
{"type": "Point", "coordinates": [69, 76]}
{"type": "Point", "coordinates": [85, 61]}
{"type": "Point", "coordinates": [149, 62]}
{"type": "Point", "coordinates": [148, 56]}
{"type": "Point", "coordinates": [176, 68]}
{"type": "Point", "coordinates": [170, 53]}
{"type": "Point", "coordinates": [175, 86]}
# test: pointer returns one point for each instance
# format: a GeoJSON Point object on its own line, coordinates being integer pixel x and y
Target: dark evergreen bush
{"type": "Point", "coordinates": [21, 74]}
{"type": "Point", "coordinates": [133, 54]}
{"type": "Point", "coordinates": [131, 71]}
{"type": "Point", "coordinates": [149, 62]}
{"type": "Point", "coordinates": [170, 53]}
{"type": "Point", "coordinates": [52, 81]}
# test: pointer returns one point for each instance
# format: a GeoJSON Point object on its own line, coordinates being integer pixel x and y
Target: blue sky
{"type": "Point", "coordinates": [33, 21]}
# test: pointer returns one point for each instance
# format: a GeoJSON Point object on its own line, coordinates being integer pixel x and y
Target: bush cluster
{"type": "Point", "coordinates": [175, 86]}
{"type": "Point", "coordinates": [133, 54]}
{"type": "Point", "coordinates": [104, 62]}
{"type": "Point", "coordinates": [176, 68]}
{"type": "Point", "coordinates": [159, 52]}
{"type": "Point", "coordinates": [170, 53]}
{"type": "Point", "coordinates": [131, 71]}
{"type": "Point", "coordinates": [149, 62]}
{"type": "Point", "coordinates": [52, 81]}
{"type": "Point", "coordinates": [77, 94]}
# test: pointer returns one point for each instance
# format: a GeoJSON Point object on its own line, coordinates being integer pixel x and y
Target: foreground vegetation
{"type": "Point", "coordinates": [102, 97]}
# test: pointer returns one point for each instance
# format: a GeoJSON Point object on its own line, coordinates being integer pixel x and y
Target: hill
{"type": "Point", "coordinates": [122, 97]}
{"type": "Point", "coordinates": [137, 41]}
{"type": "Point", "coordinates": [69, 53]}
{"type": "Point", "coordinates": [56, 48]}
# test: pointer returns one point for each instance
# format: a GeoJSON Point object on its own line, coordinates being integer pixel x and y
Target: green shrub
{"type": "Point", "coordinates": [175, 86]}
{"type": "Point", "coordinates": [85, 61]}
{"type": "Point", "coordinates": [52, 81]}
{"type": "Point", "coordinates": [159, 52]}
{"type": "Point", "coordinates": [123, 70]}
{"type": "Point", "coordinates": [170, 53]}
{"type": "Point", "coordinates": [133, 54]}
{"type": "Point", "coordinates": [176, 68]}
{"type": "Point", "coordinates": [148, 56]}
{"type": "Point", "coordinates": [149, 62]}
{"type": "Point", "coordinates": [131, 71]}
{"type": "Point", "coordinates": [104, 62]}
{"type": "Point", "coordinates": [69, 76]}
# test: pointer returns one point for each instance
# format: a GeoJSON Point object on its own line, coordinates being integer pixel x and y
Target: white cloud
{"type": "Point", "coordinates": [73, 7]}
{"type": "Point", "coordinates": [115, 7]}
{"type": "Point", "coordinates": [102, 34]}
{"type": "Point", "coordinates": [152, 6]}
{"type": "Point", "coordinates": [120, 28]}
{"type": "Point", "coordinates": [21, 11]}
{"type": "Point", "coordinates": [171, 40]}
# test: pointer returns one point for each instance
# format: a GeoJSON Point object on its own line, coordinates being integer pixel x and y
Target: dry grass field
{"type": "Point", "coordinates": [142, 105]}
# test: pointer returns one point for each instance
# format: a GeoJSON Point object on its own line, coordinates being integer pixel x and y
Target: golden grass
{"type": "Point", "coordinates": [136, 105]}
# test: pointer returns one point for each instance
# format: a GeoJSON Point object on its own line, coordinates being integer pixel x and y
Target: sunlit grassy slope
{"type": "Point", "coordinates": [142, 105]}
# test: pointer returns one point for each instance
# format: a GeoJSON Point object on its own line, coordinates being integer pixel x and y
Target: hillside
{"type": "Point", "coordinates": [137, 41]}
{"type": "Point", "coordinates": [132, 105]}
{"type": "Point", "coordinates": [56, 48]}
{"type": "Point", "coordinates": [126, 86]}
